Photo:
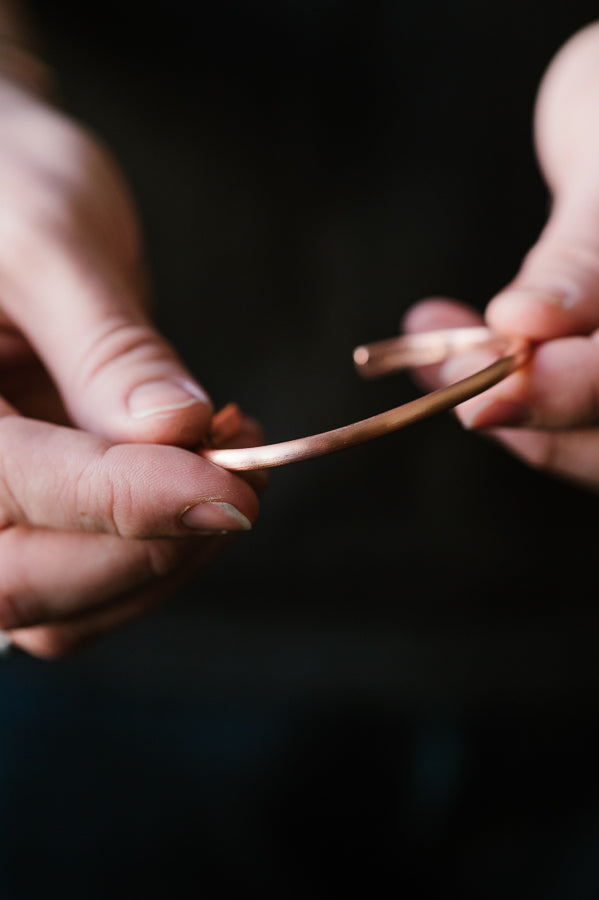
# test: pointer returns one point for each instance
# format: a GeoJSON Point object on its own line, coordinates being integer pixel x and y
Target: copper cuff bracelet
{"type": "Point", "coordinates": [381, 358]}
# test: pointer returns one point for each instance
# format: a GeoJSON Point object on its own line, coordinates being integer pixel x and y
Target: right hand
{"type": "Point", "coordinates": [548, 412]}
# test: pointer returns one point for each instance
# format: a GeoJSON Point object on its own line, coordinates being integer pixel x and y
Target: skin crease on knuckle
{"type": "Point", "coordinates": [105, 496]}
{"type": "Point", "coordinates": [119, 342]}
{"type": "Point", "coordinates": [142, 490]}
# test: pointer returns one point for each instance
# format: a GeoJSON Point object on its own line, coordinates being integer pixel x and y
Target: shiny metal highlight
{"type": "Point", "coordinates": [381, 358]}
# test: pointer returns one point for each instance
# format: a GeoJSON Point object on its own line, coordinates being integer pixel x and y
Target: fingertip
{"type": "Point", "coordinates": [229, 487]}
{"type": "Point", "coordinates": [131, 386]}
{"type": "Point", "coordinates": [438, 312]}
{"type": "Point", "coordinates": [148, 489]}
{"type": "Point", "coordinates": [168, 411]}
{"type": "Point", "coordinates": [164, 396]}
{"type": "Point", "coordinates": [535, 314]}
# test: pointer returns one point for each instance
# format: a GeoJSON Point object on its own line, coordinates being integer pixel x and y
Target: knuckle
{"type": "Point", "coordinates": [93, 498]}
{"type": "Point", "coordinates": [104, 498]}
{"type": "Point", "coordinates": [112, 494]}
{"type": "Point", "coordinates": [118, 341]}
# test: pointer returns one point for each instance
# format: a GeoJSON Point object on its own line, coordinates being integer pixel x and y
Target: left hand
{"type": "Point", "coordinates": [99, 416]}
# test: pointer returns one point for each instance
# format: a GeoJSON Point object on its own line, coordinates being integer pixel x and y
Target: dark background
{"type": "Point", "coordinates": [391, 683]}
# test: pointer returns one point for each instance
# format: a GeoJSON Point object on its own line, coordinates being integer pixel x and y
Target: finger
{"type": "Point", "coordinates": [556, 389]}
{"type": "Point", "coordinates": [61, 639]}
{"type": "Point", "coordinates": [230, 428]}
{"type": "Point", "coordinates": [58, 640]}
{"type": "Point", "coordinates": [431, 314]}
{"type": "Point", "coordinates": [116, 374]}
{"type": "Point", "coordinates": [49, 575]}
{"type": "Point", "coordinates": [571, 455]}
{"type": "Point", "coordinates": [60, 478]}
{"type": "Point", "coordinates": [556, 291]}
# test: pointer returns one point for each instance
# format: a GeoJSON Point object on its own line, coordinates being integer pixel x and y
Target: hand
{"type": "Point", "coordinates": [548, 412]}
{"type": "Point", "coordinates": [104, 508]}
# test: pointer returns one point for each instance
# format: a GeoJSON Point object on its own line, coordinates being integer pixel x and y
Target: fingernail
{"type": "Point", "coordinates": [497, 414]}
{"type": "Point", "coordinates": [214, 516]}
{"type": "Point", "coordinates": [155, 398]}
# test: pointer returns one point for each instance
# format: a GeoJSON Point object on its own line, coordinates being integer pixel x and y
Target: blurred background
{"type": "Point", "coordinates": [391, 684]}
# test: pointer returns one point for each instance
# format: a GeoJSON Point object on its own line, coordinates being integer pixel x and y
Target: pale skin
{"type": "Point", "coordinates": [548, 412]}
{"type": "Point", "coordinates": [106, 508]}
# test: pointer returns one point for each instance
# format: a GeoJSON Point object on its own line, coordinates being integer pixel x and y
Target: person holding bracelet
{"type": "Point", "coordinates": [547, 412]}
{"type": "Point", "coordinates": [105, 506]}
{"type": "Point", "coordinates": [102, 502]}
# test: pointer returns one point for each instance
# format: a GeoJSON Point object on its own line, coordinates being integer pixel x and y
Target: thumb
{"type": "Point", "coordinates": [556, 291]}
{"type": "Point", "coordinates": [117, 375]}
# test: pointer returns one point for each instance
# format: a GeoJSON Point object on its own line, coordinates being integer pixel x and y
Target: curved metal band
{"type": "Point", "coordinates": [380, 358]}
